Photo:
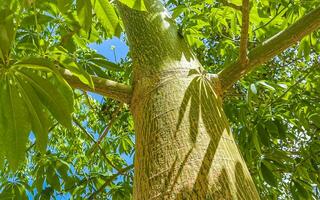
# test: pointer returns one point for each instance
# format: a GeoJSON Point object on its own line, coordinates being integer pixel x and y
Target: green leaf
{"type": "Point", "coordinates": [38, 115]}
{"type": "Point", "coordinates": [69, 183]}
{"type": "Point", "coordinates": [39, 178]}
{"type": "Point", "coordinates": [25, 97]}
{"type": "Point", "coordinates": [263, 135]}
{"type": "Point", "coordinates": [301, 191]}
{"type": "Point", "coordinates": [3, 123]}
{"type": "Point", "coordinates": [315, 118]}
{"type": "Point", "coordinates": [41, 19]}
{"type": "Point", "coordinates": [304, 48]}
{"type": "Point", "coordinates": [37, 64]}
{"type": "Point", "coordinates": [266, 85]}
{"type": "Point", "coordinates": [7, 32]}
{"type": "Point", "coordinates": [272, 128]}
{"type": "Point", "coordinates": [282, 129]}
{"type": "Point", "coordinates": [237, 2]}
{"type": "Point", "coordinates": [62, 167]}
{"type": "Point", "coordinates": [53, 178]}
{"type": "Point", "coordinates": [84, 12]}
{"type": "Point", "coordinates": [107, 16]}
{"type": "Point", "coordinates": [2, 156]}
{"type": "Point", "coordinates": [20, 191]}
{"type": "Point", "coordinates": [268, 175]}
{"type": "Point", "coordinates": [76, 69]}
{"type": "Point", "coordinates": [64, 5]}
{"type": "Point", "coordinates": [135, 4]}
{"type": "Point", "coordinates": [256, 142]}
{"type": "Point", "coordinates": [17, 126]}
{"type": "Point", "coordinates": [178, 10]}
{"type": "Point", "coordinates": [7, 192]}
{"type": "Point", "coordinates": [57, 103]}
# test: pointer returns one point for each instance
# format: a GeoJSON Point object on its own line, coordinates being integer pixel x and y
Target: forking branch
{"type": "Point", "coordinates": [270, 48]}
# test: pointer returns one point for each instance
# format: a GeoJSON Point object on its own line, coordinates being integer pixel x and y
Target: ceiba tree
{"type": "Point", "coordinates": [184, 146]}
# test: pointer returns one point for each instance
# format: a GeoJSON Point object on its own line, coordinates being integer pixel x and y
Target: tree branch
{"type": "Point", "coordinates": [105, 131]}
{"type": "Point", "coordinates": [105, 87]}
{"type": "Point", "coordinates": [92, 139]}
{"type": "Point", "coordinates": [243, 59]}
{"type": "Point", "coordinates": [271, 47]}
{"type": "Point", "coordinates": [309, 71]}
{"type": "Point", "coordinates": [109, 181]}
{"type": "Point", "coordinates": [85, 180]}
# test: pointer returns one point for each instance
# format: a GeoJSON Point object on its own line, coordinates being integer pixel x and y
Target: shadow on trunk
{"type": "Point", "coordinates": [223, 191]}
{"type": "Point", "coordinates": [203, 108]}
{"type": "Point", "coordinates": [203, 103]}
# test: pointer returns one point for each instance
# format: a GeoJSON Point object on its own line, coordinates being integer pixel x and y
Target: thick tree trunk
{"type": "Point", "coordinates": [184, 147]}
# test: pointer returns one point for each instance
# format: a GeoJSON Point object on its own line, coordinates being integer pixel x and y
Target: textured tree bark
{"type": "Point", "coordinates": [184, 147]}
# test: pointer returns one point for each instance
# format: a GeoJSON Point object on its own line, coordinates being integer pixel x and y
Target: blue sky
{"type": "Point", "coordinates": [113, 49]}
{"type": "Point", "coordinates": [105, 48]}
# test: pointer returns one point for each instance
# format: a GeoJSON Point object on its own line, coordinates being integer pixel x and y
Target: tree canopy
{"type": "Point", "coordinates": [57, 140]}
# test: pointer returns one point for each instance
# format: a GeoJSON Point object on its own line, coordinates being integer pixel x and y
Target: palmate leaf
{"type": "Point", "coordinates": [107, 16]}
{"type": "Point", "coordinates": [38, 115]}
{"type": "Point", "coordinates": [56, 102]}
{"type": "Point", "coordinates": [15, 117]}
{"type": "Point", "coordinates": [6, 32]}
{"type": "Point", "coordinates": [35, 63]}
{"type": "Point", "coordinates": [28, 90]}
{"type": "Point", "coordinates": [53, 91]}
{"type": "Point", "coordinates": [84, 12]}
{"type": "Point", "coordinates": [15, 190]}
